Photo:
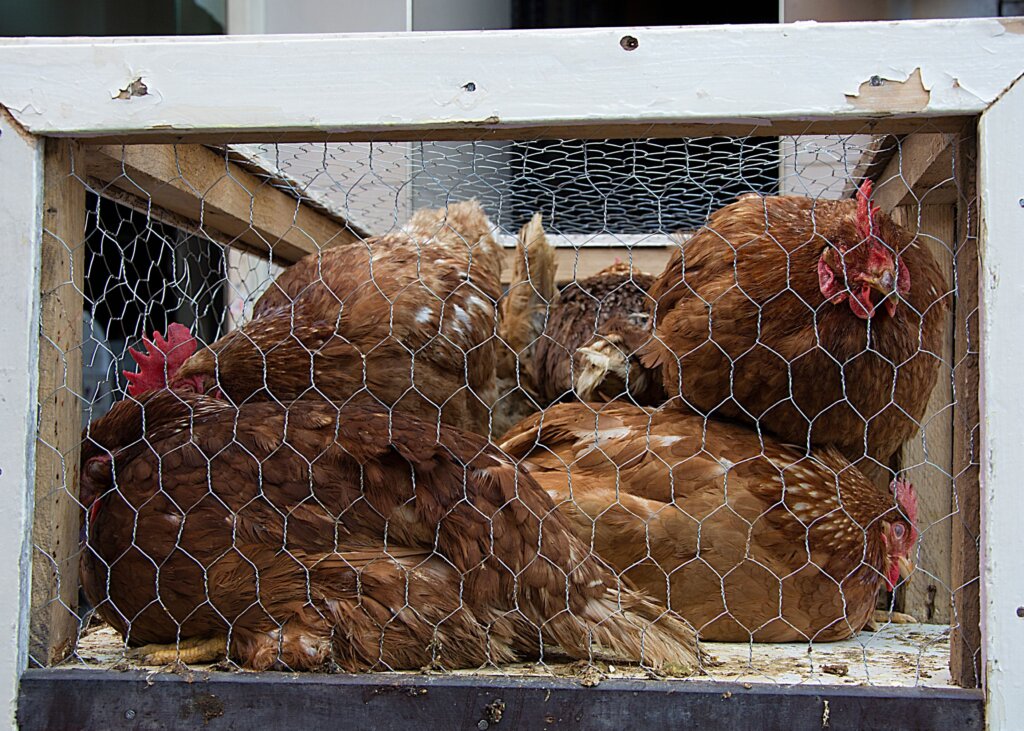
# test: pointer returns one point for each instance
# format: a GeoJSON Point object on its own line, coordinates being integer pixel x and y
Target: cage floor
{"type": "Point", "coordinates": [896, 655]}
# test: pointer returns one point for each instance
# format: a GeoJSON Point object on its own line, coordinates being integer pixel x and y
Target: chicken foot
{"type": "Point", "coordinates": [190, 651]}
{"type": "Point", "coordinates": [882, 617]}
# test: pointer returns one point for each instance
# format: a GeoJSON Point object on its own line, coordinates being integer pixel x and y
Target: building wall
{"type": "Point", "coordinates": [840, 10]}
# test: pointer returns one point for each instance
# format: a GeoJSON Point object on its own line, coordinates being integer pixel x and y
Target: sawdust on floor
{"type": "Point", "coordinates": [896, 655]}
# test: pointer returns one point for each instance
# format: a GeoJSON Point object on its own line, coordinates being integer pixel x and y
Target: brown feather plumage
{"type": "Point", "coordinates": [746, 538]}
{"type": "Point", "coordinates": [607, 314]}
{"type": "Point", "coordinates": [743, 330]}
{"type": "Point", "coordinates": [407, 319]}
{"type": "Point", "coordinates": [315, 533]}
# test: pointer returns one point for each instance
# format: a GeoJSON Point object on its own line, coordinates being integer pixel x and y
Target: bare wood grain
{"type": "Point", "coordinates": [919, 171]}
{"type": "Point", "coordinates": [927, 459]}
{"type": "Point", "coordinates": [965, 642]}
{"type": "Point", "coordinates": [219, 196]}
{"type": "Point", "coordinates": [56, 521]}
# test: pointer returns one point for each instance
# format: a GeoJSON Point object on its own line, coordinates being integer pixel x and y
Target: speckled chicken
{"type": "Point", "coordinates": [746, 538]}
{"type": "Point", "coordinates": [308, 536]}
{"type": "Point", "coordinates": [822, 320]}
{"type": "Point", "coordinates": [591, 341]}
{"type": "Point", "coordinates": [407, 319]}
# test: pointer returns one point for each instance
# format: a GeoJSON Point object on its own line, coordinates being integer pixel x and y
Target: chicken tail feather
{"type": "Point", "coordinates": [624, 626]}
{"type": "Point", "coordinates": [532, 286]}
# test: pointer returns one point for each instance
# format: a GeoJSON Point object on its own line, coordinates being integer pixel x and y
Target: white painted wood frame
{"type": "Point", "coordinates": [1001, 280]}
{"type": "Point", "coordinates": [21, 220]}
{"type": "Point", "coordinates": [547, 82]}
{"type": "Point", "coordinates": [738, 79]}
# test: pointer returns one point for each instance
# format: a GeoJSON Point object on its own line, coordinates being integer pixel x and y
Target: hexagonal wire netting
{"type": "Point", "coordinates": [423, 447]}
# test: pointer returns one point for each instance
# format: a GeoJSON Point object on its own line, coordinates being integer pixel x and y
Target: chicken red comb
{"type": "Point", "coordinates": [162, 359]}
{"type": "Point", "coordinates": [906, 497]}
{"type": "Point", "coordinates": [866, 210]}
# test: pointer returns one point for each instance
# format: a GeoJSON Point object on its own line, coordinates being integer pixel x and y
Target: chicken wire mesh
{"type": "Point", "coordinates": [466, 437]}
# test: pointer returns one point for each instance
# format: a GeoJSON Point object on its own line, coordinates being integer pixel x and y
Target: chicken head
{"type": "Point", "coordinates": [864, 272]}
{"type": "Point", "coordinates": [900, 533]}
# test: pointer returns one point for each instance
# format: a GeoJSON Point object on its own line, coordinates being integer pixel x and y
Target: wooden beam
{"type": "Point", "coordinates": [69, 698]}
{"type": "Point", "coordinates": [57, 518]}
{"type": "Point", "coordinates": [919, 171]}
{"type": "Point", "coordinates": [219, 196]}
{"type": "Point", "coordinates": [1000, 160]}
{"type": "Point", "coordinates": [965, 641]}
{"type": "Point", "coordinates": [21, 221]}
{"type": "Point", "coordinates": [584, 262]}
{"type": "Point", "coordinates": [927, 459]}
{"type": "Point", "coordinates": [468, 131]}
{"type": "Point", "coordinates": [553, 79]}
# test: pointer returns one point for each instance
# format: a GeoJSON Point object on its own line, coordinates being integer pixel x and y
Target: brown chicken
{"type": "Point", "coordinates": [593, 333]}
{"type": "Point", "coordinates": [297, 537]}
{"type": "Point", "coordinates": [407, 319]}
{"type": "Point", "coordinates": [820, 320]}
{"type": "Point", "coordinates": [746, 538]}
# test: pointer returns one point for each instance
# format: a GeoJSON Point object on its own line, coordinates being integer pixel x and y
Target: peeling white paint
{"type": "Point", "coordinates": [374, 82]}
{"type": "Point", "coordinates": [21, 220]}
{"type": "Point", "coordinates": [1001, 187]}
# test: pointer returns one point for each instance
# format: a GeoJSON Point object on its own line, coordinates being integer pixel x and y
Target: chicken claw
{"type": "Point", "coordinates": [882, 617]}
{"type": "Point", "coordinates": [190, 651]}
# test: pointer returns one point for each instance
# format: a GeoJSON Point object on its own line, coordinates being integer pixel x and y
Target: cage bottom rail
{"type": "Point", "coordinates": [71, 698]}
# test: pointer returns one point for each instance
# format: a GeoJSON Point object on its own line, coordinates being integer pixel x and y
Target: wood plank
{"type": "Point", "coordinates": [927, 459]}
{"type": "Point", "coordinates": [21, 221]}
{"type": "Point", "coordinates": [433, 83]}
{"type": "Point", "coordinates": [587, 261]}
{"type": "Point", "coordinates": [965, 642]}
{"type": "Point", "coordinates": [496, 132]}
{"type": "Point", "coordinates": [205, 187]}
{"type": "Point", "coordinates": [68, 698]}
{"type": "Point", "coordinates": [919, 171]}
{"type": "Point", "coordinates": [1001, 271]}
{"type": "Point", "coordinates": [57, 517]}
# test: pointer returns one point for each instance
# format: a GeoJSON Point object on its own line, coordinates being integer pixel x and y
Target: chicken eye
{"type": "Point", "coordinates": [899, 530]}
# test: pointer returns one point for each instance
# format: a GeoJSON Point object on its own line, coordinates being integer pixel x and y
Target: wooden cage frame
{"type": "Point", "coordinates": [68, 102]}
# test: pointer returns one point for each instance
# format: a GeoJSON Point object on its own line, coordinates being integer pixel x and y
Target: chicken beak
{"type": "Point", "coordinates": [884, 283]}
{"type": "Point", "coordinates": [593, 368]}
{"type": "Point", "coordinates": [906, 566]}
